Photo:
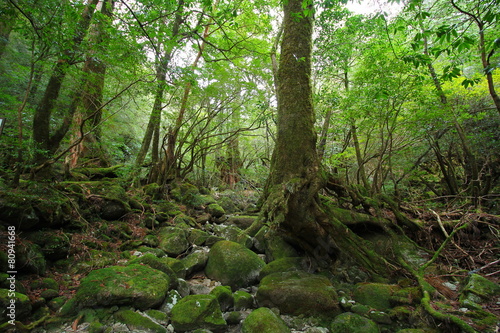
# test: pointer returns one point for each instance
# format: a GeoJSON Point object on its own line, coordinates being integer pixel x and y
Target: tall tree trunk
{"type": "Point", "coordinates": [290, 201]}
{"type": "Point", "coordinates": [89, 113]}
{"type": "Point", "coordinates": [153, 130]}
{"type": "Point", "coordinates": [291, 193]}
{"type": "Point", "coordinates": [8, 17]}
{"type": "Point", "coordinates": [470, 159]}
{"type": "Point", "coordinates": [42, 118]}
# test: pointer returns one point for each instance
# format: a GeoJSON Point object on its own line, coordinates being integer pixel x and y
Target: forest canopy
{"type": "Point", "coordinates": [404, 105]}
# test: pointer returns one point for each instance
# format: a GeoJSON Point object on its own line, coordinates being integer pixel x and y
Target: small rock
{"type": "Point", "coordinates": [263, 320]}
{"type": "Point", "coordinates": [197, 311]}
{"type": "Point", "coordinates": [353, 323]}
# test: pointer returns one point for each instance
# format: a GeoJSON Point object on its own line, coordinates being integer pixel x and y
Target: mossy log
{"type": "Point", "coordinates": [98, 173]}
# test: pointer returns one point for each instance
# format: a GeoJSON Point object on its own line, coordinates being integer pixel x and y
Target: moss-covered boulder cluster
{"type": "Point", "coordinates": [93, 256]}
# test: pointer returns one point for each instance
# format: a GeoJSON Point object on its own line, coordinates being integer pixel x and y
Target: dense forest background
{"type": "Point", "coordinates": [405, 105]}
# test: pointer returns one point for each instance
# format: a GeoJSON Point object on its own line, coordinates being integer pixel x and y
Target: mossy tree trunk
{"type": "Point", "coordinates": [45, 144]}
{"type": "Point", "coordinates": [88, 112]}
{"type": "Point", "coordinates": [291, 201]}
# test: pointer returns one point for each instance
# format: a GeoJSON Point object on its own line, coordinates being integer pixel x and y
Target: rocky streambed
{"type": "Point", "coordinates": [92, 257]}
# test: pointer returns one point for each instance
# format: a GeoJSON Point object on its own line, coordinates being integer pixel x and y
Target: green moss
{"type": "Point", "coordinates": [134, 284]}
{"type": "Point", "coordinates": [215, 210]}
{"type": "Point", "coordinates": [482, 287]}
{"type": "Point", "coordinates": [298, 293]}
{"type": "Point", "coordinates": [242, 300]}
{"type": "Point", "coordinates": [22, 306]}
{"type": "Point", "coordinates": [173, 240]}
{"type": "Point", "coordinates": [154, 262]}
{"type": "Point", "coordinates": [136, 321]}
{"type": "Point", "coordinates": [224, 297]}
{"type": "Point", "coordinates": [348, 322]}
{"type": "Point", "coordinates": [376, 295]}
{"type": "Point", "coordinates": [176, 265]}
{"type": "Point", "coordinates": [197, 311]}
{"type": "Point", "coordinates": [233, 264]}
{"type": "Point", "coordinates": [282, 265]}
{"type": "Point", "coordinates": [47, 283]}
{"type": "Point", "coordinates": [182, 218]}
{"type": "Point", "coordinates": [263, 320]}
{"type": "Point", "coordinates": [198, 237]}
{"type": "Point", "coordinates": [158, 316]}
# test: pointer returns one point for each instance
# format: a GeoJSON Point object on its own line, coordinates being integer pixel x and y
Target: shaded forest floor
{"type": "Point", "coordinates": [64, 231]}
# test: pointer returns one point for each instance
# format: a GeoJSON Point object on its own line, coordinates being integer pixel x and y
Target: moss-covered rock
{"type": "Point", "coordinates": [349, 322]}
{"type": "Point", "coordinates": [298, 293]}
{"type": "Point", "coordinates": [479, 289]}
{"type": "Point", "coordinates": [224, 297]}
{"type": "Point", "coordinates": [195, 261]}
{"type": "Point", "coordinates": [273, 245]}
{"type": "Point", "coordinates": [233, 234]}
{"type": "Point", "coordinates": [375, 295]}
{"type": "Point", "coordinates": [137, 322]}
{"type": "Point", "coordinates": [215, 210]}
{"type": "Point", "coordinates": [114, 209]}
{"type": "Point", "coordinates": [137, 285]}
{"type": "Point", "coordinates": [188, 194]}
{"type": "Point", "coordinates": [242, 300]}
{"type": "Point", "coordinates": [37, 205]}
{"type": "Point", "coordinates": [30, 258]}
{"type": "Point", "coordinates": [282, 265]}
{"type": "Point", "coordinates": [56, 303]}
{"type": "Point", "coordinates": [49, 294]}
{"type": "Point", "coordinates": [173, 297]}
{"type": "Point", "coordinates": [198, 311]}
{"type": "Point", "coordinates": [173, 240]}
{"type": "Point", "coordinates": [54, 245]}
{"type": "Point", "coordinates": [197, 237]}
{"type": "Point", "coordinates": [263, 320]}
{"type": "Point", "coordinates": [233, 264]}
{"type": "Point", "coordinates": [177, 266]}
{"type": "Point", "coordinates": [241, 221]}
{"type": "Point", "coordinates": [14, 306]}
{"type": "Point", "coordinates": [157, 263]}
{"type": "Point", "coordinates": [45, 283]}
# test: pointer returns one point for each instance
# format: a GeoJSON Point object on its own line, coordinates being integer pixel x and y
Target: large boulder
{"type": "Point", "coordinates": [173, 240]}
{"type": "Point", "coordinates": [137, 285]}
{"type": "Point", "coordinates": [198, 312]}
{"type": "Point", "coordinates": [263, 320]}
{"type": "Point", "coordinates": [298, 293]}
{"type": "Point", "coordinates": [233, 264]}
{"type": "Point", "coordinates": [479, 289]}
{"type": "Point", "coordinates": [349, 322]}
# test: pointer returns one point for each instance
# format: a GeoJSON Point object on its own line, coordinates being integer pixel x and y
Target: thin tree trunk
{"type": "Point", "coordinates": [324, 134]}
{"type": "Point", "coordinates": [170, 169]}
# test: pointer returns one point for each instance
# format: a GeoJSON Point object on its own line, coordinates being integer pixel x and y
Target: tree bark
{"type": "Point", "coordinates": [89, 112]}
{"type": "Point", "coordinates": [152, 132]}
{"type": "Point", "coordinates": [291, 202]}
{"type": "Point", "coordinates": [43, 112]}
